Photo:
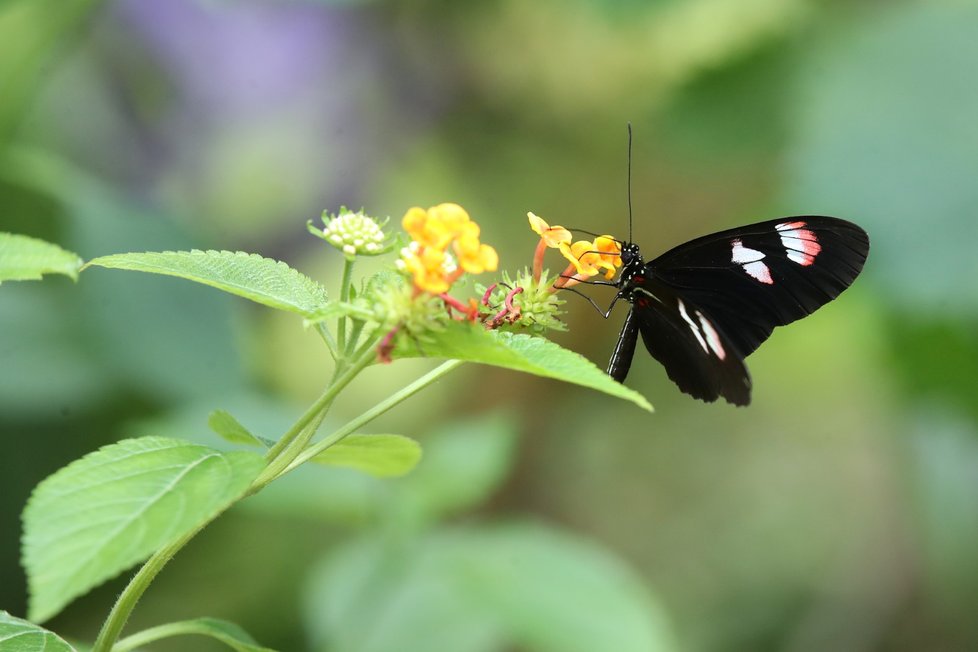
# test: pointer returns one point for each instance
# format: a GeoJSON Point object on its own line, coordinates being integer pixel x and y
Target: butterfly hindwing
{"type": "Point", "coordinates": [697, 355]}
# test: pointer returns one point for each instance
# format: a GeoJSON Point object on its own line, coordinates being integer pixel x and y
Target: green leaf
{"type": "Point", "coordinates": [464, 463]}
{"type": "Point", "coordinates": [224, 424]}
{"type": "Point", "coordinates": [538, 581]}
{"type": "Point", "coordinates": [126, 328]}
{"type": "Point", "coordinates": [18, 635]}
{"type": "Point", "coordinates": [385, 456]}
{"type": "Point", "coordinates": [26, 259]}
{"type": "Point", "coordinates": [226, 632]}
{"type": "Point", "coordinates": [520, 352]}
{"type": "Point", "coordinates": [519, 586]}
{"type": "Point", "coordinates": [372, 596]}
{"type": "Point", "coordinates": [269, 282]}
{"type": "Point", "coordinates": [114, 507]}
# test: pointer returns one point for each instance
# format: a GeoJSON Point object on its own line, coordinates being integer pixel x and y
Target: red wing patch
{"type": "Point", "coordinates": [800, 243]}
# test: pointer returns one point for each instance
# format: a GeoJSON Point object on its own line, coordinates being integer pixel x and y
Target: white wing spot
{"type": "Point", "coordinates": [801, 244]}
{"type": "Point", "coordinates": [760, 272]}
{"type": "Point", "coordinates": [741, 254]}
{"type": "Point", "coordinates": [692, 325]}
{"type": "Point", "coordinates": [750, 260]}
{"type": "Point", "coordinates": [712, 337]}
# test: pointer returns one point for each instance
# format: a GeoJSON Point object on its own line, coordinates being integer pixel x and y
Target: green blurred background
{"type": "Point", "coordinates": [838, 512]}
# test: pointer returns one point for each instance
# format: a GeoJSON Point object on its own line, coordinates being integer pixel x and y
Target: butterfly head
{"type": "Point", "coordinates": [631, 255]}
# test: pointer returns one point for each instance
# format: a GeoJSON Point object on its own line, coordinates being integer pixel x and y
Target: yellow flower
{"type": "Point", "coordinates": [430, 268]}
{"type": "Point", "coordinates": [426, 231]}
{"type": "Point", "coordinates": [452, 216]}
{"type": "Point", "coordinates": [473, 256]}
{"type": "Point", "coordinates": [432, 231]}
{"type": "Point", "coordinates": [604, 253]}
{"type": "Point", "coordinates": [587, 258]}
{"type": "Point", "coordinates": [553, 236]}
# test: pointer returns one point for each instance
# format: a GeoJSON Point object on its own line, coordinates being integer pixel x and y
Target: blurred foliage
{"type": "Point", "coordinates": [410, 584]}
{"type": "Point", "coordinates": [883, 121]}
{"type": "Point", "coordinates": [837, 512]}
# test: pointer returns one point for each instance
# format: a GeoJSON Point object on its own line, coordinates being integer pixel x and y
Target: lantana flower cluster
{"type": "Point", "coordinates": [444, 245]}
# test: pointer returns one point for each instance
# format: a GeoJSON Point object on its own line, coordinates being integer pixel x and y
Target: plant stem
{"type": "Point", "coordinates": [345, 298]}
{"type": "Point", "coordinates": [355, 330]}
{"type": "Point", "coordinates": [179, 628]}
{"type": "Point", "coordinates": [327, 336]}
{"type": "Point", "coordinates": [292, 442]}
{"type": "Point", "coordinates": [113, 625]}
{"type": "Point", "coordinates": [372, 413]}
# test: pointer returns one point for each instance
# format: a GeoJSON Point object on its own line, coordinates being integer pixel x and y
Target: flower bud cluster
{"type": "Point", "coordinates": [354, 233]}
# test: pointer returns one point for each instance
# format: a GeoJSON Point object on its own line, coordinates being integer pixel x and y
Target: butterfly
{"type": "Point", "coordinates": [702, 307]}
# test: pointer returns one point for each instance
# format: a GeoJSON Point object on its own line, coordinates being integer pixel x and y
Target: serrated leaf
{"type": "Point", "coordinates": [224, 631]}
{"type": "Point", "coordinates": [26, 259]}
{"type": "Point", "coordinates": [224, 424]}
{"type": "Point", "coordinates": [18, 635]}
{"type": "Point", "coordinates": [269, 282]}
{"type": "Point", "coordinates": [384, 456]}
{"type": "Point", "coordinates": [520, 352]}
{"type": "Point", "coordinates": [114, 507]}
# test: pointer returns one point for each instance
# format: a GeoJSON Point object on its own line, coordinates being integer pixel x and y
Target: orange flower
{"type": "Point", "coordinates": [604, 253]}
{"type": "Point", "coordinates": [426, 231]}
{"type": "Point", "coordinates": [427, 259]}
{"type": "Point", "coordinates": [430, 268]}
{"type": "Point", "coordinates": [473, 256]}
{"type": "Point", "coordinates": [587, 258]}
{"type": "Point", "coordinates": [553, 236]}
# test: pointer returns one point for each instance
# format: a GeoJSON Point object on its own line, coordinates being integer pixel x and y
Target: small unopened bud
{"type": "Point", "coordinates": [353, 233]}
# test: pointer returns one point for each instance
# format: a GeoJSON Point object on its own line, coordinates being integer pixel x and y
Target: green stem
{"type": "Point", "coordinates": [113, 625]}
{"type": "Point", "coordinates": [334, 351]}
{"type": "Point", "coordinates": [298, 436]}
{"type": "Point", "coordinates": [169, 630]}
{"type": "Point", "coordinates": [345, 298]}
{"type": "Point", "coordinates": [372, 413]}
{"type": "Point", "coordinates": [355, 334]}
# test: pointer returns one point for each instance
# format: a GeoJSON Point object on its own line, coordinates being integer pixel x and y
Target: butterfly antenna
{"type": "Point", "coordinates": [630, 182]}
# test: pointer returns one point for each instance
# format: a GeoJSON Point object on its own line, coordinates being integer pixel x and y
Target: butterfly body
{"type": "Point", "coordinates": [702, 307]}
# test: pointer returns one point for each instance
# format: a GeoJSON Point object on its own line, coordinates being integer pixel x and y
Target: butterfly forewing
{"type": "Point", "coordinates": [756, 277]}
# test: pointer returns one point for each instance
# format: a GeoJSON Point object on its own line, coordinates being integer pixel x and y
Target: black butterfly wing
{"type": "Point", "coordinates": [753, 278]}
{"type": "Point", "coordinates": [697, 355]}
